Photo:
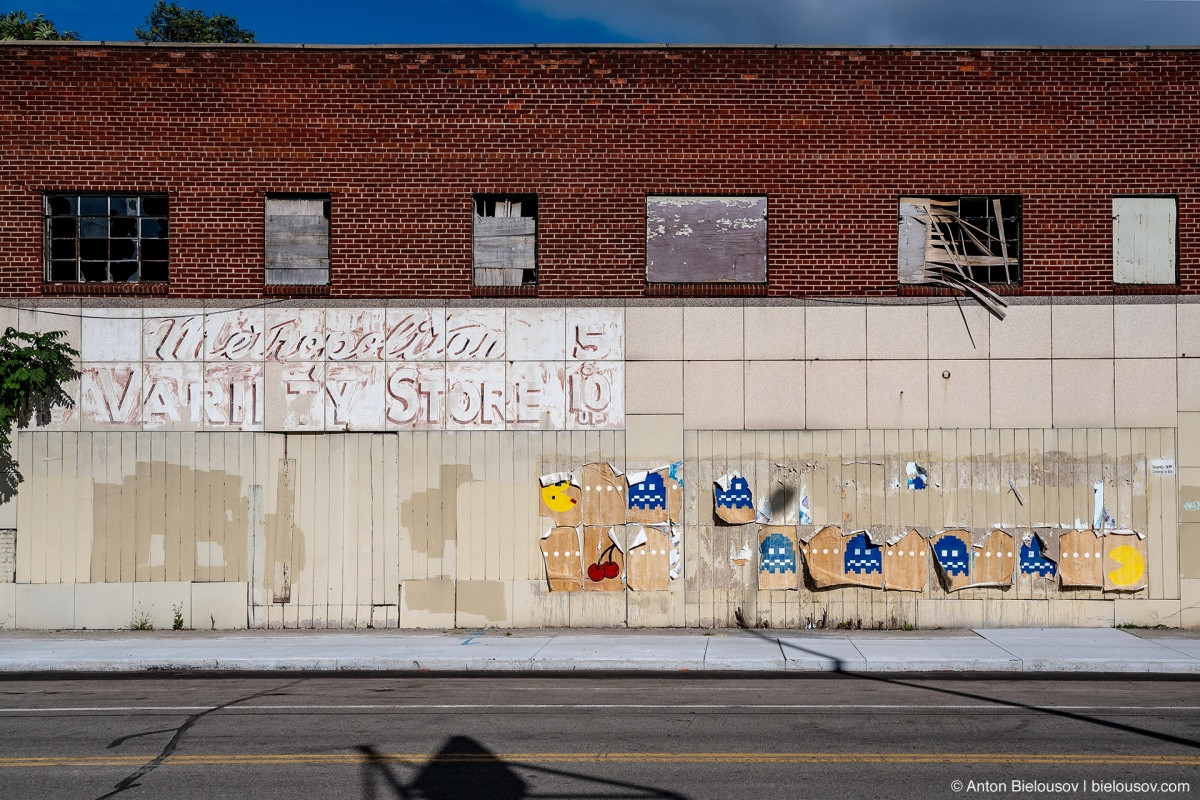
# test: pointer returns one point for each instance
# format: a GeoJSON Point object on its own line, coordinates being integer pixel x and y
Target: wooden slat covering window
{"type": "Point", "coordinates": [505, 251]}
{"type": "Point", "coordinates": [1145, 244]}
{"type": "Point", "coordinates": [296, 238]}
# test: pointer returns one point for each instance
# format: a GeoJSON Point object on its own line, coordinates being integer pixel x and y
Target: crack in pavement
{"type": "Point", "coordinates": [130, 781]}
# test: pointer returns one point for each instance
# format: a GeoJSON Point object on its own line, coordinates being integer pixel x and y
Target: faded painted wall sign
{"type": "Point", "coordinates": [353, 369]}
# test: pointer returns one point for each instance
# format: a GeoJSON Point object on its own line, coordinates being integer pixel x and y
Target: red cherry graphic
{"type": "Point", "coordinates": [595, 572]}
{"type": "Point", "coordinates": [612, 569]}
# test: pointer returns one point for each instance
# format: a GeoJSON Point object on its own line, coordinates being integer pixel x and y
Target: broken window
{"type": "Point", "coordinates": [296, 240]}
{"type": "Point", "coordinates": [90, 238]}
{"type": "Point", "coordinates": [706, 239]}
{"type": "Point", "coordinates": [505, 239]}
{"type": "Point", "coordinates": [1145, 246]}
{"type": "Point", "coordinates": [976, 237]}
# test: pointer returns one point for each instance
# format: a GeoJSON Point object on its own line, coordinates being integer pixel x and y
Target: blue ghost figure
{"type": "Point", "coordinates": [738, 495]}
{"type": "Point", "coordinates": [952, 555]}
{"type": "Point", "coordinates": [1033, 562]}
{"type": "Point", "coordinates": [650, 493]}
{"type": "Point", "coordinates": [862, 557]}
{"type": "Point", "coordinates": [777, 554]}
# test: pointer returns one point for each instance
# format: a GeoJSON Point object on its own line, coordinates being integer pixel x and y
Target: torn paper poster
{"type": "Point", "coordinates": [906, 563]}
{"type": "Point", "coordinates": [1034, 561]}
{"type": "Point", "coordinates": [834, 560]}
{"type": "Point", "coordinates": [1081, 559]}
{"type": "Point", "coordinates": [952, 555]}
{"type": "Point", "coordinates": [649, 563]}
{"type": "Point", "coordinates": [560, 502]}
{"type": "Point", "coordinates": [741, 557]}
{"type": "Point", "coordinates": [918, 478]}
{"type": "Point", "coordinates": [1100, 516]}
{"type": "Point", "coordinates": [805, 507]}
{"type": "Point", "coordinates": [994, 560]}
{"type": "Point", "coordinates": [649, 497]}
{"type": "Point", "coordinates": [778, 561]}
{"type": "Point", "coordinates": [604, 558]}
{"type": "Point", "coordinates": [1124, 561]}
{"type": "Point", "coordinates": [732, 500]}
{"type": "Point", "coordinates": [557, 477]}
{"type": "Point", "coordinates": [564, 567]}
{"type": "Point", "coordinates": [603, 495]}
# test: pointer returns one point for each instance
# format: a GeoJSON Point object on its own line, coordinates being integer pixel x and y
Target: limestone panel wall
{"type": "Point", "coordinates": [1016, 425]}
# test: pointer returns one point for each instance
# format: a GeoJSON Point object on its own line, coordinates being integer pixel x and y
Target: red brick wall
{"type": "Point", "coordinates": [401, 138]}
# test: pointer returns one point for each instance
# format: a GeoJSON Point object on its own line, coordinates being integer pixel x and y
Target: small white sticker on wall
{"type": "Point", "coordinates": [1162, 466]}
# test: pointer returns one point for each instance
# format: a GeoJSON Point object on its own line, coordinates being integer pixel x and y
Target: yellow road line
{"type": "Point", "coordinates": [350, 759]}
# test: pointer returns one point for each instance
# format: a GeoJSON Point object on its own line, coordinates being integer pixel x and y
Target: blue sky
{"type": "Point", "coordinates": [862, 22]}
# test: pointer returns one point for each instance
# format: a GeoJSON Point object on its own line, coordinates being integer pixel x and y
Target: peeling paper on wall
{"type": "Point", "coordinates": [732, 500]}
{"type": "Point", "coordinates": [1100, 516]}
{"type": "Point", "coordinates": [918, 478]}
{"type": "Point", "coordinates": [1035, 562]}
{"type": "Point", "coordinates": [906, 561]}
{"type": "Point", "coordinates": [1080, 559]}
{"type": "Point", "coordinates": [995, 558]}
{"type": "Point", "coordinates": [652, 558]}
{"type": "Point", "coordinates": [654, 497]}
{"type": "Point", "coordinates": [559, 477]}
{"type": "Point", "coordinates": [741, 557]}
{"type": "Point", "coordinates": [562, 555]}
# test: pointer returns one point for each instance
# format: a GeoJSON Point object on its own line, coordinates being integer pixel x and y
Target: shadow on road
{"type": "Point", "coordinates": [839, 667]}
{"type": "Point", "coordinates": [463, 769]}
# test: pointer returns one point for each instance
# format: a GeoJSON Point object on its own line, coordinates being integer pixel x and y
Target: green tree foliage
{"type": "Point", "coordinates": [15, 25]}
{"type": "Point", "coordinates": [33, 369]}
{"type": "Point", "coordinates": [168, 22]}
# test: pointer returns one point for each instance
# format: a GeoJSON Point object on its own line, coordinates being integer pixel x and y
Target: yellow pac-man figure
{"type": "Point", "coordinates": [556, 498]}
{"type": "Point", "coordinates": [1132, 566]}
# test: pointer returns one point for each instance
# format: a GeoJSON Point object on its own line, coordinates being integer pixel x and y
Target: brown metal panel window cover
{"type": "Point", "coordinates": [706, 239]}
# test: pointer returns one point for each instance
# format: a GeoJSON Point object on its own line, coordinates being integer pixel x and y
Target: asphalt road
{"type": "Point", "coordinates": [508, 738]}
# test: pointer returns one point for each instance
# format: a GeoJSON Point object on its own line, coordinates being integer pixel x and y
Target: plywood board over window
{"type": "Point", "coordinates": [505, 246]}
{"type": "Point", "coordinates": [296, 240]}
{"type": "Point", "coordinates": [1144, 240]}
{"type": "Point", "coordinates": [706, 239]}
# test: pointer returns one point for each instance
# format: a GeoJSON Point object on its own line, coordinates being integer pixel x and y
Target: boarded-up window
{"type": "Point", "coordinates": [960, 238]}
{"type": "Point", "coordinates": [297, 240]}
{"type": "Point", "coordinates": [505, 239]}
{"type": "Point", "coordinates": [1144, 243]}
{"type": "Point", "coordinates": [706, 239]}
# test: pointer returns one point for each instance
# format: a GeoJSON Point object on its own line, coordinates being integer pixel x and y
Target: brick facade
{"type": "Point", "coordinates": [402, 137]}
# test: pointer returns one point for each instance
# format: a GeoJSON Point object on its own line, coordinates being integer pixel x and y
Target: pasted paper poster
{"type": "Point", "coordinates": [1124, 561]}
{"type": "Point", "coordinates": [995, 559]}
{"type": "Point", "coordinates": [603, 495]}
{"type": "Point", "coordinates": [1081, 559]}
{"type": "Point", "coordinates": [603, 558]}
{"type": "Point", "coordinates": [653, 553]}
{"type": "Point", "coordinates": [952, 555]}
{"type": "Point", "coordinates": [564, 568]}
{"type": "Point", "coordinates": [648, 497]}
{"type": "Point", "coordinates": [906, 563]}
{"type": "Point", "coordinates": [559, 499]}
{"type": "Point", "coordinates": [1034, 561]}
{"type": "Point", "coordinates": [778, 559]}
{"type": "Point", "coordinates": [732, 500]}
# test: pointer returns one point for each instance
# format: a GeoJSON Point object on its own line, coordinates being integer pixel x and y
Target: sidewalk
{"type": "Point", "coordinates": [1028, 650]}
